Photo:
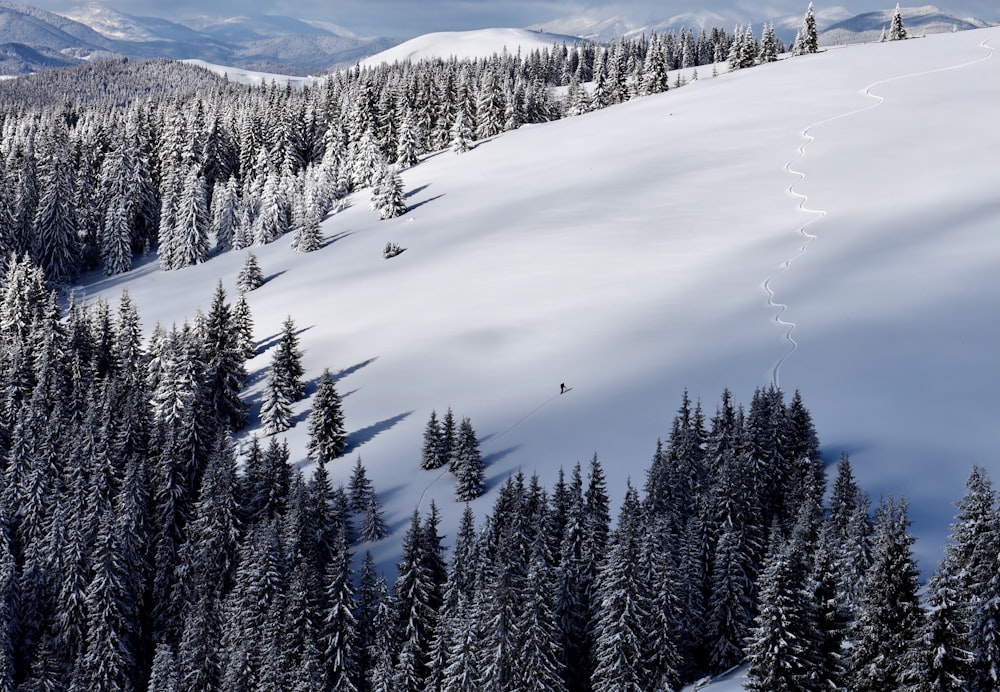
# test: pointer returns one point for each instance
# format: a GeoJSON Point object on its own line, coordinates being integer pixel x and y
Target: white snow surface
{"type": "Point", "coordinates": [240, 76]}
{"type": "Point", "coordinates": [463, 45]}
{"type": "Point", "coordinates": [626, 252]}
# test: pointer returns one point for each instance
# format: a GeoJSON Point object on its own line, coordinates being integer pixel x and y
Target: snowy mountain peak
{"type": "Point", "coordinates": [117, 25]}
{"type": "Point", "coordinates": [468, 45]}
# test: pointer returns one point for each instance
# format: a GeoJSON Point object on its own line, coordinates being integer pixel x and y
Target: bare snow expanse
{"type": "Point", "coordinates": [465, 45]}
{"type": "Point", "coordinates": [625, 253]}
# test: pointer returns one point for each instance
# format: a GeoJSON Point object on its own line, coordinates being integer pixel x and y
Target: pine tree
{"type": "Point", "coordinates": [55, 243]}
{"type": "Point", "coordinates": [9, 606]}
{"type": "Point", "coordinates": [461, 133]}
{"type": "Point", "coordinates": [432, 455]}
{"type": "Point", "coordinates": [621, 615]}
{"type": "Point", "coordinates": [373, 527]}
{"type": "Point", "coordinates": [250, 277]}
{"type": "Point", "coordinates": [225, 213]}
{"type": "Point", "coordinates": [468, 464]}
{"type": "Point", "coordinates": [225, 373]}
{"type": "Point", "coordinates": [327, 434]}
{"type": "Point", "coordinates": [387, 193]}
{"type": "Point", "coordinates": [191, 223]}
{"type": "Point", "coordinates": [339, 632]}
{"type": "Point", "coordinates": [360, 488]}
{"type": "Point", "coordinates": [783, 645]}
{"type": "Point", "coordinates": [897, 32]}
{"type": "Point", "coordinates": [243, 327]}
{"type": "Point", "coordinates": [284, 382]}
{"type": "Point", "coordinates": [807, 40]}
{"type": "Point", "coordinates": [890, 620]}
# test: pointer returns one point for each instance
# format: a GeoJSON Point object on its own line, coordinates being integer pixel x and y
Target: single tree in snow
{"type": "Point", "coordinates": [387, 193]}
{"type": "Point", "coordinates": [468, 464]}
{"type": "Point", "coordinates": [897, 32]}
{"type": "Point", "coordinates": [807, 40]}
{"type": "Point", "coordinates": [250, 277]}
{"type": "Point", "coordinates": [327, 434]}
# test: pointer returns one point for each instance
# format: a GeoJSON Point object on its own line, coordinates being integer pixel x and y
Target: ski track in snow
{"type": "Point", "coordinates": [806, 135]}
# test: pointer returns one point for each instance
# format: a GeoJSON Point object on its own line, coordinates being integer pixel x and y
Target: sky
{"type": "Point", "coordinates": [406, 18]}
{"type": "Point", "coordinates": [625, 253]}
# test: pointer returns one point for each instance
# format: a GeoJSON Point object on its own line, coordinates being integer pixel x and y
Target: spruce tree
{"type": "Point", "coordinates": [808, 37]}
{"type": "Point", "coordinates": [387, 193]}
{"type": "Point", "coordinates": [897, 32]}
{"type": "Point", "coordinates": [250, 277]}
{"type": "Point", "coordinates": [890, 620]}
{"type": "Point", "coordinates": [621, 613]}
{"type": "Point", "coordinates": [225, 373]}
{"type": "Point", "coordinates": [327, 433]}
{"type": "Point", "coordinates": [468, 464]}
{"type": "Point", "coordinates": [432, 455]}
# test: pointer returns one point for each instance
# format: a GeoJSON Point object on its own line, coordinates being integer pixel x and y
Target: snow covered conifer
{"type": "Point", "coordinates": [373, 527]}
{"type": "Point", "coordinates": [360, 488]}
{"type": "Point", "coordinates": [56, 245]}
{"type": "Point", "coordinates": [191, 222]}
{"type": "Point", "coordinates": [890, 620]}
{"type": "Point", "coordinates": [807, 40]}
{"type": "Point", "coordinates": [768, 45]}
{"type": "Point", "coordinates": [621, 613]}
{"type": "Point", "coordinates": [461, 133]}
{"type": "Point", "coordinates": [468, 464]}
{"type": "Point", "coordinates": [276, 411]}
{"type": "Point", "coordinates": [387, 193]}
{"type": "Point", "coordinates": [897, 32]}
{"type": "Point", "coordinates": [327, 434]}
{"type": "Point", "coordinates": [432, 455]}
{"type": "Point", "coordinates": [250, 277]}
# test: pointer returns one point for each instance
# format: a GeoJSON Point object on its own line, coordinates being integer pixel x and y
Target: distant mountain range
{"type": "Point", "coordinates": [837, 25]}
{"type": "Point", "coordinates": [33, 40]}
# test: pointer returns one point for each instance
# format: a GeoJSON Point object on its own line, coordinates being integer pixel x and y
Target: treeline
{"type": "Point", "coordinates": [103, 162]}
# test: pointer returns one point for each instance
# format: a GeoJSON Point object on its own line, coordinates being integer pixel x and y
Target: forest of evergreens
{"type": "Point", "coordinates": [139, 549]}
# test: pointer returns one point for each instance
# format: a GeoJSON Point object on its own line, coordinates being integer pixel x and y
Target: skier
{"type": "Point", "coordinates": [562, 388]}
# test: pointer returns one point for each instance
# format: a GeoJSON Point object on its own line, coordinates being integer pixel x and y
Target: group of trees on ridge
{"type": "Point", "coordinates": [140, 550]}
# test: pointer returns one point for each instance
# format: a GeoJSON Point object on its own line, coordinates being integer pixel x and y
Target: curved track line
{"type": "Point", "coordinates": [780, 308]}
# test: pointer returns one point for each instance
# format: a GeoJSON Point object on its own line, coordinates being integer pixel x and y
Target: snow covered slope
{"type": "Point", "coordinates": [625, 252]}
{"type": "Point", "coordinates": [468, 44]}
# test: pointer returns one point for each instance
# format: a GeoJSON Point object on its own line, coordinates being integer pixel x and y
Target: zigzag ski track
{"type": "Point", "coordinates": [808, 138]}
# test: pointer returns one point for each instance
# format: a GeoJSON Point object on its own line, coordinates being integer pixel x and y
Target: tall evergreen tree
{"type": "Point", "coordinates": [250, 277]}
{"type": "Point", "coordinates": [897, 32]}
{"type": "Point", "coordinates": [327, 434]}
{"type": "Point", "coordinates": [808, 38]}
{"type": "Point", "coordinates": [890, 621]}
{"type": "Point", "coordinates": [55, 241]}
{"type": "Point", "coordinates": [621, 614]}
{"type": "Point", "coordinates": [467, 464]}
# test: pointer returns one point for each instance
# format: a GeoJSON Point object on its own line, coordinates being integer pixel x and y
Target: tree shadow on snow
{"type": "Point", "coordinates": [416, 191]}
{"type": "Point", "coordinates": [426, 201]}
{"type": "Point", "coordinates": [369, 433]}
{"type": "Point", "coordinates": [338, 376]}
{"type": "Point", "coordinates": [272, 277]}
{"type": "Point", "coordinates": [268, 342]}
{"type": "Point", "coordinates": [330, 240]}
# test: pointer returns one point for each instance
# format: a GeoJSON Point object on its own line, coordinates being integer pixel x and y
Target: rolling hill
{"type": "Point", "coordinates": [825, 223]}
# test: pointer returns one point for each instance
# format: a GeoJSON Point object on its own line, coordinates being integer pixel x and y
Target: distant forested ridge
{"type": "Point", "coordinates": [103, 162]}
